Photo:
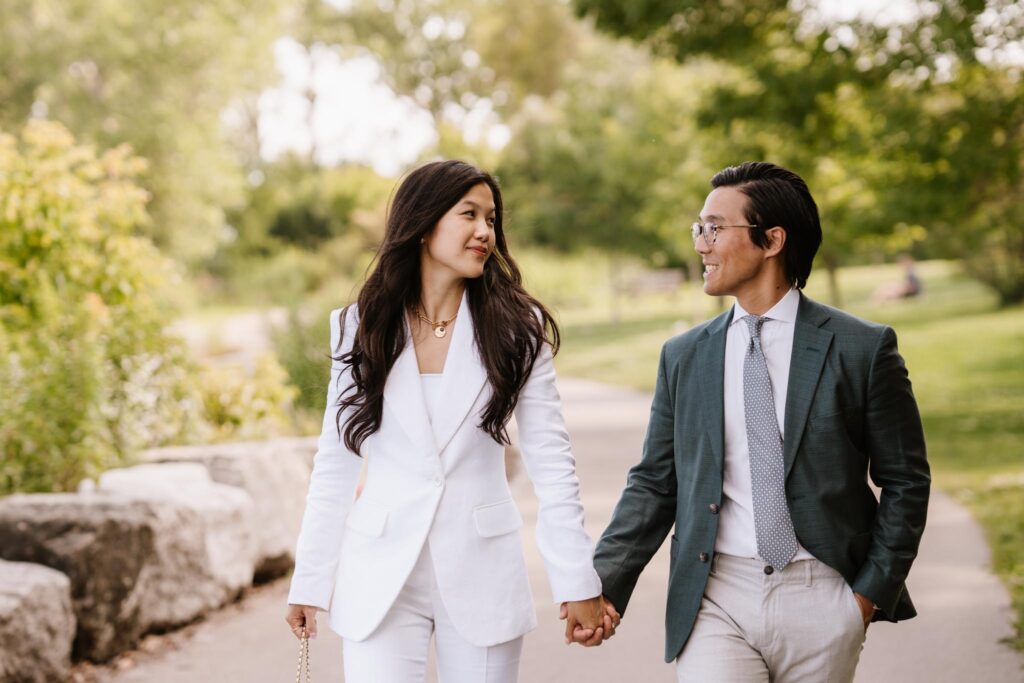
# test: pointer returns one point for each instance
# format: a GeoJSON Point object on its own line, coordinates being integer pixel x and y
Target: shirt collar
{"type": "Point", "coordinates": [783, 311]}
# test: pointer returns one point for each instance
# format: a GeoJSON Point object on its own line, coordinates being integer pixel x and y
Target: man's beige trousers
{"type": "Point", "coordinates": [798, 625]}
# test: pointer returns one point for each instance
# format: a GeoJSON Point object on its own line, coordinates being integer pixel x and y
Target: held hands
{"type": "Point", "coordinates": [301, 617]}
{"type": "Point", "coordinates": [589, 622]}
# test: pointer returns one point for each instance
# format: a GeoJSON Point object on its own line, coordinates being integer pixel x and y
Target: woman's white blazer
{"type": "Point", "coordinates": [444, 482]}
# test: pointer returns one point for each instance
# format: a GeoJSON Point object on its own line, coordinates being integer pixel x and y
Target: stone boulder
{"type": "Point", "coordinates": [274, 473]}
{"type": "Point", "coordinates": [37, 624]}
{"type": "Point", "coordinates": [127, 559]}
{"type": "Point", "coordinates": [227, 516]}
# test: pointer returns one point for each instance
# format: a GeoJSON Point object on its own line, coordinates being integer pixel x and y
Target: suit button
{"type": "Point", "coordinates": [714, 508]}
{"type": "Point", "coordinates": [768, 569]}
{"type": "Point", "coordinates": [703, 557]}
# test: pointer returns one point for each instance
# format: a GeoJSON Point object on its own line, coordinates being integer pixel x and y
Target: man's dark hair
{"type": "Point", "coordinates": [778, 197]}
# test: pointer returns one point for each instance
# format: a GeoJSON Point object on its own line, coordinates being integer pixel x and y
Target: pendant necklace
{"type": "Point", "coordinates": [440, 327]}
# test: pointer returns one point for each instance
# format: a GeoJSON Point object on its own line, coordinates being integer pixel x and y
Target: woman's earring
{"type": "Point", "coordinates": [423, 240]}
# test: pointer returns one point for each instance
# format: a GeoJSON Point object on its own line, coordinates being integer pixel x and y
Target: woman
{"type": "Point", "coordinates": [443, 345]}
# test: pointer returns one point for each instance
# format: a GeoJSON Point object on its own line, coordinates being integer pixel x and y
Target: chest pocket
{"type": "Point", "coordinates": [847, 421]}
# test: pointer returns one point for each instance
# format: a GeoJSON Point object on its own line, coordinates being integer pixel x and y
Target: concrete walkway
{"type": "Point", "coordinates": [965, 611]}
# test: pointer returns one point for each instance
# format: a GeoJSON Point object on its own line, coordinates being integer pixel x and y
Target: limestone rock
{"type": "Point", "coordinates": [275, 474]}
{"type": "Point", "coordinates": [226, 513]}
{"type": "Point", "coordinates": [37, 624]}
{"type": "Point", "coordinates": [126, 559]}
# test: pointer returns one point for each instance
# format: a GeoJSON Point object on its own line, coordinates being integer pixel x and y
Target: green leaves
{"type": "Point", "coordinates": [88, 373]}
{"type": "Point", "coordinates": [150, 73]}
{"type": "Point", "coordinates": [609, 161]}
{"type": "Point", "coordinates": [916, 121]}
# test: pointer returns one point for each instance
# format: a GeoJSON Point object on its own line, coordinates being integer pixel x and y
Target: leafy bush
{"type": "Point", "coordinates": [302, 346]}
{"type": "Point", "coordinates": [299, 230]}
{"type": "Point", "coordinates": [288, 275]}
{"type": "Point", "coordinates": [88, 374]}
{"type": "Point", "coordinates": [240, 407]}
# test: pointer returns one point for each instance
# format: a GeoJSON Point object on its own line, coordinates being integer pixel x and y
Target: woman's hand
{"type": "Point", "coordinates": [301, 617]}
{"type": "Point", "coordinates": [588, 615]}
{"type": "Point", "coordinates": [587, 638]}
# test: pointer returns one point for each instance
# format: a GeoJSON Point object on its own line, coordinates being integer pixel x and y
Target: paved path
{"type": "Point", "coordinates": [964, 609]}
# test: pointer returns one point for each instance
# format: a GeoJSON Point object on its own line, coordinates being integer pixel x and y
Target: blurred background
{"type": "Point", "coordinates": [188, 187]}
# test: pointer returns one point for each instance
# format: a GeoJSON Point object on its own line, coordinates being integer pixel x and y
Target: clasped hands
{"type": "Point", "coordinates": [589, 622]}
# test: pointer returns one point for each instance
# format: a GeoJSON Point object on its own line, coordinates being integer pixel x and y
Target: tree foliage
{"type": "Point", "coordinates": [300, 228]}
{"type": "Point", "coordinates": [90, 374]}
{"type": "Point", "coordinates": [454, 56]}
{"type": "Point", "coordinates": [904, 129]}
{"type": "Point", "coordinates": [610, 161]}
{"type": "Point", "coordinates": [150, 73]}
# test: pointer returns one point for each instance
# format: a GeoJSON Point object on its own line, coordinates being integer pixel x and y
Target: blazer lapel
{"type": "Point", "coordinates": [462, 381]}
{"type": "Point", "coordinates": [711, 361]}
{"type": "Point", "coordinates": [810, 347]}
{"type": "Point", "coordinates": [404, 393]}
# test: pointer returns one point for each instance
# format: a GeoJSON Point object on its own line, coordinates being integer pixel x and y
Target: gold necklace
{"type": "Point", "coordinates": [440, 327]}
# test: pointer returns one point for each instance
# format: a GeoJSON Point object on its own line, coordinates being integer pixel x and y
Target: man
{"type": "Point", "coordinates": [765, 425]}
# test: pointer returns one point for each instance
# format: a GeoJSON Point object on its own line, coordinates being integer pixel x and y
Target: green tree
{"type": "Point", "coordinates": [612, 161]}
{"type": "Point", "coordinates": [963, 174]}
{"type": "Point", "coordinates": [591, 167]}
{"type": "Point", "coordinates": [880, 119]}
{"type": "Point", "coordinates": [452, 56]}
{"type": "Point", "coordinates": [300, 228]}
{"type": "Point", "coordinates": [153, 74]}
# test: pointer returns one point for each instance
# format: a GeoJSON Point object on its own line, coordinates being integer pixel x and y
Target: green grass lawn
{"type": "Point", "coordinates": [965, 356]}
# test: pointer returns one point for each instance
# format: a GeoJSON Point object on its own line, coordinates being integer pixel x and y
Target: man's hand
{"type": "Point", "coordinates": [609, 622]}
{"type": "Point", "coordinates": [867, 608]}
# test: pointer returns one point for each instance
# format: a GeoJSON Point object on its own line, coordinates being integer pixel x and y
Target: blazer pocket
{"type": "Point", "coordinates": [367, 518]}
{"type": "Point", "coordinates": [833, 420]}
{"type": "Point", "coordinates": [496, 519]}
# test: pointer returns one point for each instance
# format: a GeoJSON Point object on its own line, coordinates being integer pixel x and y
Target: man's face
{"type": "Point", "coordinates": [733, 264]}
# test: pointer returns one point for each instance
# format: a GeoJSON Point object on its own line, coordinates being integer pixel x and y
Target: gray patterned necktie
{"type": "Point", "coordinates": [776, 540]}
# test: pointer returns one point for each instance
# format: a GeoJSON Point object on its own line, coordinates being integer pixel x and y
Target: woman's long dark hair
{"type": "Point", "coordinates": [509, 325]}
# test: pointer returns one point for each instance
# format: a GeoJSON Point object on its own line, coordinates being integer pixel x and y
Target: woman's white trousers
{"type": "Point", "coordinates": [396, 652]}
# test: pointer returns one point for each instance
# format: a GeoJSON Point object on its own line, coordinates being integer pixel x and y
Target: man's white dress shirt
{"type": "Point", "coordinates": [736, 535]}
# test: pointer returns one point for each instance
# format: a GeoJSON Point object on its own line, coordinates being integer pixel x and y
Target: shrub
{"type": "Point", "coordinates": [88, 374]}
{"type": "Point", "coordinates": [237, 406]}
{"type": "Point", "coordinates": [302, 345]}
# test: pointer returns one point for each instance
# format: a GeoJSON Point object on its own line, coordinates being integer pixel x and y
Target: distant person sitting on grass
{"type": "Point", "coordinates": [910, 286]}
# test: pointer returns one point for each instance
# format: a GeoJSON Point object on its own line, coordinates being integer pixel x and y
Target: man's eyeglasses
{"type": "Point", "coordinates": [710, 231]}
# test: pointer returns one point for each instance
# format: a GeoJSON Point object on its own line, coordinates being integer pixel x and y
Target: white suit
{"type": "Point", "coordinates": [444, 482]}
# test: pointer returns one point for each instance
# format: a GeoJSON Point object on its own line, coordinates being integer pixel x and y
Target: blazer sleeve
{"type": "Point", "coordinates": [564, 545]}
{"type": "Point", "coordinates": [646, 510]}
{"type": "Point", "coordinates": [332, 487]}
{"type": "Point", "coordinates": [899, 467]}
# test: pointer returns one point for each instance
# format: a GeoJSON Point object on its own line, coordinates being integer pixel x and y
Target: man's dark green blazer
{"type": "Point", "coordinates": [850, 412]}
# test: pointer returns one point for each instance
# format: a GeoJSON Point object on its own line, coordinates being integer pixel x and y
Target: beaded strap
{"type": "Point", "coordinates": [303, 658]}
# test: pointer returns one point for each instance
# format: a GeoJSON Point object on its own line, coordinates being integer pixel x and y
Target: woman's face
{"type": "Point", "coordinates": [463, 239]}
